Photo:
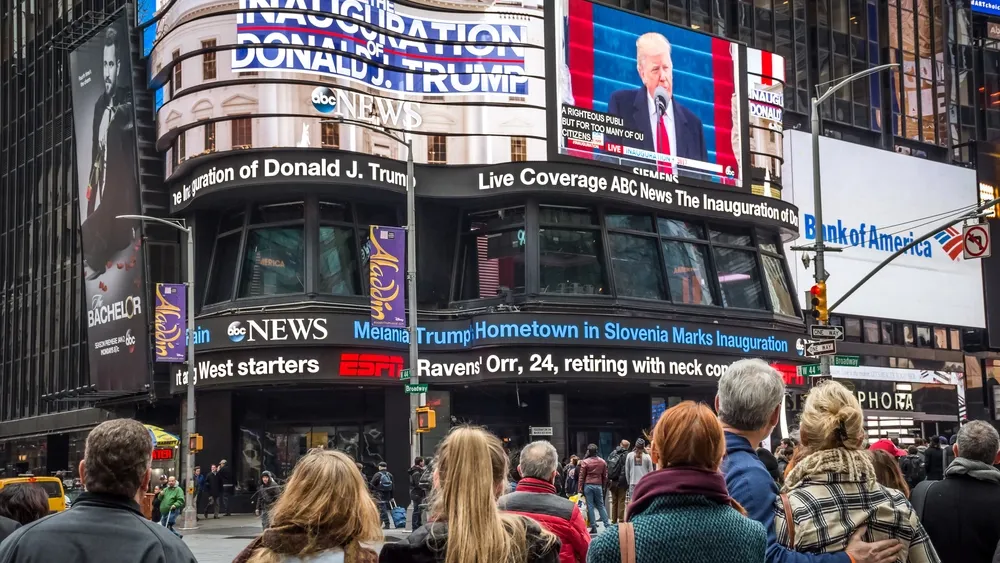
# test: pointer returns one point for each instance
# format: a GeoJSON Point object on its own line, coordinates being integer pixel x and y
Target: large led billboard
{"type": "Point", "coordinates": [660, 100]}
{"type": "Point", "coordinates": [988, 7]}
{"type": "Point", "coordinates": [107, 172]}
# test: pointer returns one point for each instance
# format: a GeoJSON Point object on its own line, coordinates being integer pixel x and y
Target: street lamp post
{"type": "Point", "coordinates": [189, 517]}
{"type": "Point", "coordinates": [416, 400]}
{"type": "Point", "coordinates": [819, 272]}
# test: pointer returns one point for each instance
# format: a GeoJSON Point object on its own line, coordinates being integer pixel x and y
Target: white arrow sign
{"type": "Point", "coordinates": [821, 348]}
{"type": "Point", "coordinates": [826, 332]}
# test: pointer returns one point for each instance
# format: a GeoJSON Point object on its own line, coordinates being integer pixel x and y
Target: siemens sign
{"type": "Point", "coordinates": [865, 235]}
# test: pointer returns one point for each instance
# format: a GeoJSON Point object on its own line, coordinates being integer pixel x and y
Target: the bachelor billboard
{"type": "Point", "coordinates": [874, 203]}
{"type": "Point", "coordinates": [108, 183]}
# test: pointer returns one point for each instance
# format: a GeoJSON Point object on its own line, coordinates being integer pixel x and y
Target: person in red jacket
{"type": "Point", "coordinates": [592, 477]}
{"type": "Point", "coordinates": [536, 498]}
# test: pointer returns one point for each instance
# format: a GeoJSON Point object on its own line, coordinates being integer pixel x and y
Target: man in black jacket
{"type": "Point", "coordinates": [962, 513]}
{"type": "Point", "coordinates": [213, 483]}
{"type": "Point", "coordinates": [105, 523]}
{"type": "Point", "coordinates": [416, 493]}
{"type": "Point", "coordinates": [934, 458]}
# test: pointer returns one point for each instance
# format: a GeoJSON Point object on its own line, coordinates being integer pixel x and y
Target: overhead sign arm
{"type": "Point", "coordinates": [903, 250]}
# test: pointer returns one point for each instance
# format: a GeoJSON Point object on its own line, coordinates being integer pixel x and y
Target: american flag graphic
{"type": "Point", "coordinates": [951, 241]}
{"type": "Point", "coordinates": [767, 66]}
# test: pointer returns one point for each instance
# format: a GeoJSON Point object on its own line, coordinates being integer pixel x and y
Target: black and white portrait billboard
{"type": "Point", "coordinates": [107, 173]}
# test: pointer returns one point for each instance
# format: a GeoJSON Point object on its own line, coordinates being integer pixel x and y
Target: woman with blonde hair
{"type": "Point", "coordinates": [831, 490]}
{"type": "Point", "coordinates": [465, 525]}
{"type": "Point", "coordinates": [682, 511]}
{"type": "Point", "coordinates": [323, 514]}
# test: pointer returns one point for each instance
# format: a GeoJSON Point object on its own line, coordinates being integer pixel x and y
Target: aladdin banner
{"type": "Point", "coordinates": [170, 318]}
{"type": "Point", "coordinates": [387, 247]}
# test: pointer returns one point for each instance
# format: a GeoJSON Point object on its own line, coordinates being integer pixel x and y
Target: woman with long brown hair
{"type": "Point", "coordinates": [887, 471]}
{"type": "Point", "coordinates": [831, 490]}
{"type": "Point", "coordinates": [682, 510]}
{"type": "Point", "coordinates": [324, 513]}
{"type": "Point", "coordinates": [465, 525]}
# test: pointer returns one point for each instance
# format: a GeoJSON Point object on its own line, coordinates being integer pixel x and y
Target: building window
{"type": "Point", "coordinates": [569, 254]}
{"type": "Point", "coordinates": [635, 258]}
{"type": "Point", "coordinates": [182, 146]}
{"type": "Point", "coordinates": [871, 332]}
{"type": "Point", "coordinates": [956, 339]}
{"type": "Point", "coordinates": [175, 155]}
{"type": "Point", "coordinates": [208, 69]}
{"type": "Point", "coordinates": [177, 83]}
{"type": "Point", "coordinates": [518, 149]}
{"type": "Point", "coordinates": [852, 328]}
{"type": "Point", "coordinates": [737, 269]}
{"type": "Point", "coordinates": [330, 135]}
{"type": "Point", "coordinates": [908, 336]}
{"type": "Point", "coordinates": [437, 149]}
{"type": "Point", "coordinates": [924, 336]}
{"type": "Point", "coordinates": [887, 332]}
{"type": "Point", "coordinates": [242, 132]}
{"type": "Point", "coordinates": [491, 262]}
{"type": "Point", "coordinates": [225, 260]}
{"type": "Point", "coordinates": [774, 272]}
{"type": "Point", "coordinates": [941, 338]}
{"type": "Point", "coordinates": [210, 136]}
{"type": "Point", "coordinates": [687, 261]}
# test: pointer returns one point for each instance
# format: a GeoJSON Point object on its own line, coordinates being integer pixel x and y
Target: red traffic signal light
{"type": "Point", "coordinates": [820, 310]}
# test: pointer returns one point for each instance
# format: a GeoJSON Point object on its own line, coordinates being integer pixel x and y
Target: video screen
{"type": "Point", "coordinates": [659, 100]}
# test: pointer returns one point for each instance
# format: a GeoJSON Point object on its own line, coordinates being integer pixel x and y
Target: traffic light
{"type": "Point", "coordinates": [819, 311]}
{"type": "Point", "coordinates": [426, 419]}
{"type": "Point", "coordinates": [196, 443]}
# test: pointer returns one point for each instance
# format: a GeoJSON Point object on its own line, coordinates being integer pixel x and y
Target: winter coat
{"type": "Point", "coordinates": [427, 544]}
{"type": "Point", "coordinates": [213, 484]}
{"type": "Point", "coordinates": [155, 514]}
{"type": "Point", "coordinates": [935, 463]}
{"type": "Point", "coordinates": [417, 494]}
{"type": "Point", "coordinates": [99, 527]}
{"type": "Point", "coordinates": [268, 494]}
{"type": "Point", "coordinates": [686, 529]}
{"type": "Point", "coordinates": [569, 481]}
{"type": "Point", "coordinates": [171, 497]}
{"type": "Point", "coordinates": [592, 471]}
{"type": "Point", "coordinates": [537, 499]}
{"type": "Point", "coordinates": [635, 470]}
{"type": "Point", "coordinates": [961, 514]}
{"type": "Point", "coordinates": [288, 540]}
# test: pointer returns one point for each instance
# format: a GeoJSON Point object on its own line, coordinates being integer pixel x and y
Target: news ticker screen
{"type": "Point", "coordinates": [643, 94]}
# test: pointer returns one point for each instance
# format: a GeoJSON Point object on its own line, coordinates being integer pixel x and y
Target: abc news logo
{"type": "Point", "coordinates": [278, 330]}
{"type": "Point", "coordinates": [324, 99]}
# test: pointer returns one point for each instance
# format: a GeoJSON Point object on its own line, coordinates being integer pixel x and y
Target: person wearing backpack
{"type": "Point", "coordinates": [382, 486]}
{"type": "Point", "coordinates": [616, 470]}
{"type": "Point", "coordinates": [913, 467]}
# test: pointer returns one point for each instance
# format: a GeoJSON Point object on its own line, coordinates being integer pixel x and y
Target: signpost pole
{"type": "Point", "coordinates": [416, 400]}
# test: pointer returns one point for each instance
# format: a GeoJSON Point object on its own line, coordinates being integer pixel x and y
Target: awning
{"type": "Point", "coordinates": [162, 438]}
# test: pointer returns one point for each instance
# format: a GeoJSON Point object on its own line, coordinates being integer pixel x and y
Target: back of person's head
{"type": "Point", "coordinates": [23, 502]}
{"type": "Point", "coordinates": [832, 418]}
{"type": "Point", "coordinates": [539, 460]}
{"type": "Point", "coordinates": [978, 441]}
{"type": "Point", "coordinates": [912, 450]}
{"type": "Point", "coordinates": [933, 442]}
{"type": "Point", "coordinates": [470, 474]}
{"type": "Point", "coordinates": [887, 471]}
{"type": "Point", "coordinates": [688, 435]}
{"type": "Point", "coordinates": [750, 391]}
{"type": "Point", "coordinates": [574, 459]}
{"type": "Point", "coordinates": [591, 450]}
{"type": "Point", "coordinates": [918, 442]}
{"type": "Point", "coordinates": [326, 498]}
{"type": "Point", "coordinates": [117, 458]}
{"type": "Point", "coordinates": [418, 460]}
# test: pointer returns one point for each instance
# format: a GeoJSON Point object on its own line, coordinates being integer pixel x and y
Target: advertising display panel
{"type": "Point", "coordinates": [661, 100]}
{"type": "Point", "coordinates": [107, 177]}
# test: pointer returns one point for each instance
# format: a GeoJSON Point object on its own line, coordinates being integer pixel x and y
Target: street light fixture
{"type": "Point", "coordinates": [189, 517]}
{"type": "Point", "coordinates": [819, 271]}
{"type": "Point", "coordinates": [416, 400]}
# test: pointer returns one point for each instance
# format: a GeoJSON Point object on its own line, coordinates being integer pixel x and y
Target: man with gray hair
{"type": "Point", "coordinates": [961, 513]}
{"type": "Point", "coordinates": [749, 402]}
{"type": "Point", "coordinates": [105, 523]}
{"type": "Point", "coordinates": [536, 498]}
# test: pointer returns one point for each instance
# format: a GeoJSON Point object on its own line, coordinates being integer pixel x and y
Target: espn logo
{"type": "Point", "coordinates": [370, 365]}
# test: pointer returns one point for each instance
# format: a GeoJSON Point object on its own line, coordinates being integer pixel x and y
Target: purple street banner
{"type": "Point", "coordinates": [387, 247]}
{"type": "Point", "coordinates": [170, 320]}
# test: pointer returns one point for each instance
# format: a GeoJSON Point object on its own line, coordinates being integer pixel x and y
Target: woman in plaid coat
{"type": "Point", "coordinates": [830, 492]}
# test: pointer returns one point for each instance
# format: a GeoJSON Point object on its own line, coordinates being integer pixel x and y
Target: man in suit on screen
{"type": "Point", "coordinates": [667, 127]}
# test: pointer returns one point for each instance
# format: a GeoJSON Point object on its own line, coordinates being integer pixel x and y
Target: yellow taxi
{"type": "Point", "coordinates": [51, 485]}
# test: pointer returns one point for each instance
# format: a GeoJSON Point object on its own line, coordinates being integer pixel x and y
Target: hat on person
{"type": "Point", "coordinates": [640, 443]}
{"type": "Point", "coordinates": [383, 465]}
{"type": "Point", "coordinates": [886, 445]}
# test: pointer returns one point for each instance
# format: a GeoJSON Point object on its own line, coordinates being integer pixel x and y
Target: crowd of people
{"type": "Point", "coordinates": [697, 489]}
